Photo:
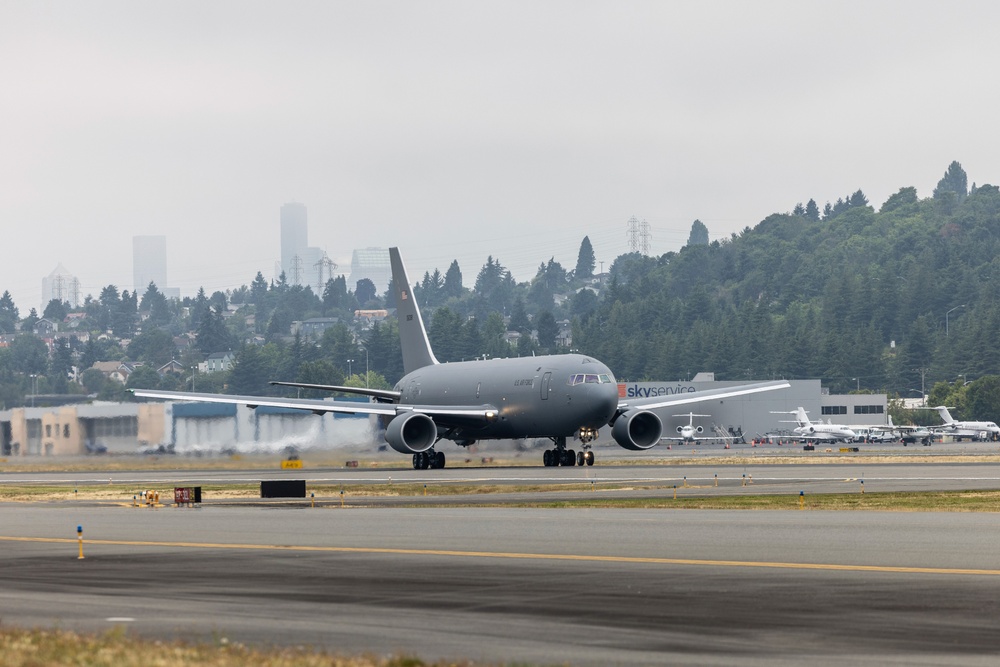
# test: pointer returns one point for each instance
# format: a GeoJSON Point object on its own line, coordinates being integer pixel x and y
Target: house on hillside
{"type": "Point", "coordinates": [219, 361]}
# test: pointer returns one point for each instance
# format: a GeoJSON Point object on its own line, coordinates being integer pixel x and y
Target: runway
{"type": "Point", "coordinates": [588, 587]}
{"type": "Point", "coordinates": [618, 481]}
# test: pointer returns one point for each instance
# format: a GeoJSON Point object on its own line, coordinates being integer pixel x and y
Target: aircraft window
{"type": "Point", "coordinates": [589, 378]}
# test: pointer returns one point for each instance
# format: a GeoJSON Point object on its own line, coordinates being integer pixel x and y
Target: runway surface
{"type": "Point", "coordinates": [619, 481]}
{"type": "Point", "coordinates": [588, 587]}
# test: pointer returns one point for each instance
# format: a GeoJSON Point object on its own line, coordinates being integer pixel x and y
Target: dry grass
{"type": "Point", "coordinates": [924, 501]}
{"type": "Point", "coordinates": [116, 648]}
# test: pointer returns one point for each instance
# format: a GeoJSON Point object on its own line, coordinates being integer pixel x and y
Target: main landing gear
{"type": "Point", "coordinates": [428, 459]}
{"type": "Point", "coordinates": [560, 456]}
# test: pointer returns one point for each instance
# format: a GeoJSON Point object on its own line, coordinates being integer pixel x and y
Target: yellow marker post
{"type": "Point", "coordinates": [685, 481]}
{"type": "Point", "coordinates": [716, 479]}
{"type": "Point", "coordinates": [425, 489]}
{"type": "Point", "coordinates": [312, 496]}
{"type": "Point", "coordinates": [862, 487]}
{"type": "Point", "coordinates": [802, 500]}
{"type": "Point", "coordinates": [592, 489]}
{"type": "Point", "coordinates": [341, 497]}
{"type": "Point", "coordinates": [744, 479]}
{"type": "Point", "coordinates": [675, 492]}
{"type": "Point", "coordinates": [79, 539]}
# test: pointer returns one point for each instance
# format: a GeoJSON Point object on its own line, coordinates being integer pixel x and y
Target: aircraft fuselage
{"type": "Point", "coordinates": [545, 396]}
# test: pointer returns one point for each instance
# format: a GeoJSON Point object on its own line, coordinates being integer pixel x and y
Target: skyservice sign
{"type": "Point", "coordinates": [650, 389]}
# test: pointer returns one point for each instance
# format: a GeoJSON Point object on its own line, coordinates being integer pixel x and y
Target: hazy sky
{"type": "Point", "coordinates": [456, 130]}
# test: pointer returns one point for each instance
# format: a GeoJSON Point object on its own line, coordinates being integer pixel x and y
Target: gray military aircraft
{"type": "Point", "coordinates": [558, 397]}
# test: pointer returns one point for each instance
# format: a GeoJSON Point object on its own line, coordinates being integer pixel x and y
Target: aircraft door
{"type": "Point", "coordinates": [546, 382]}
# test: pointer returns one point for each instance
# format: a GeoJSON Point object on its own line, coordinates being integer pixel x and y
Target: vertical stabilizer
{"type": "Point", "coordinates": [945, 415]}
{"type": "Point", "coordinates": [802, 417]}
{"type": "Point", "coordinates": [413, 339]}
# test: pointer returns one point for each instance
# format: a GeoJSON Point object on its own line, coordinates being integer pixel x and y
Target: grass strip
{"type": "Point", "coordinates": [117, 648]}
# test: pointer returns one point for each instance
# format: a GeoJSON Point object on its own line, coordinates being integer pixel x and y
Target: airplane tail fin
{"type": "Point", "coordinates": [416, 346]}
{"type": "Point", "coordinates": [945, 415]}
{"type": "Point", "coordinates": [802, 417]}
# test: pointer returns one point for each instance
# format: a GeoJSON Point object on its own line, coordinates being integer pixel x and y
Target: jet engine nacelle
{"type": "Point", "coordinates": [699, 429]}
{"type": "Point", "coordinates": [811, 429]}
{"type": "Point", "coordinates": [637, 429]}
{"type": "Point", "coordinates": [411, 432]}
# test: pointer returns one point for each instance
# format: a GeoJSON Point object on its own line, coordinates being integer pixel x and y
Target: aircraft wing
{"type": "Point", "coordinates": [656, 402]}
{"type": "Point", "coordinates": [378, 394]}
{"type": "Point", "coordinates": [446, 414]}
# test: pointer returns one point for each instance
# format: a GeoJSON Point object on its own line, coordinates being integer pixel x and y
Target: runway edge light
{"type": "Point", "coordinates": [79, 539]}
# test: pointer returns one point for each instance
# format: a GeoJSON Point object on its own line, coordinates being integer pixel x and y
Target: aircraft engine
{"type": "Point", "coordinates": [812, 429]}
{"type": "Point", "coordinates": [700, 429]}
{"type": "Point", "coordinates": [680, 429]}
{"type": "Point", "coordinates": [411, 432]}
{"type": "Point", "coordinates": [637, 429]}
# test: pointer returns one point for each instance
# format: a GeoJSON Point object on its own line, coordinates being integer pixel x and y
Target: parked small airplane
{"type": "Point", "coordinates": [553, 396]}
{"type": "Point", "coordinates": [807, 430]}
{"type": "Point", "coordinates": [965, 429]}
{"type": "Point", "coordinates": [688, 432]}
{"type": "Point", "coordinates": [912, 434]}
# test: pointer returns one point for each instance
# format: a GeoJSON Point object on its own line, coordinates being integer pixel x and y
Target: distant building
{"type": "Point", "coordinates": [61, 285]}
{"type": "Point", "coordinates": [371, 263]}
{"type": "Point", "coordinates": [294, 241]}
{"type": "Point", "coordinates": [149, 263]}
{"type": "Point", "coordinates": [218, 362]}
{"type": "Point", "coordinates": [313, 327]}
{"type": "Point", "coordinates": [301, 264]}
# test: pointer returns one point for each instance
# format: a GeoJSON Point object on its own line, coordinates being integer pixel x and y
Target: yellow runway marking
{"type": "Point", "coordinates": [899, 569]}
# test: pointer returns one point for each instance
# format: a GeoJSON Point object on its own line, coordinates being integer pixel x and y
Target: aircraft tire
{"type": "Point", "coordinates": [589, 458]}
{"type": "Point", "coordinates": [439, 460]}
{"type": "Point", "coordinates": [570, 459]}
{"type": "Point", "coordinates": [416, 461]}
{"type": "Point", "coordinates": [580, 458]}
{"type": "Point", "coordinates": [547, 458]}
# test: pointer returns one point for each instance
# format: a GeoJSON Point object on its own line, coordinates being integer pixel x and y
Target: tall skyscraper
{"type": "Point", "coordinates": [294, 243]}
{"type": "Point", "coordinates": [149, 263]}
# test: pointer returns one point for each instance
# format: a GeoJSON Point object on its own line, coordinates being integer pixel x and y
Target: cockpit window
{"type": "Point", "coordinates": [589, 378]}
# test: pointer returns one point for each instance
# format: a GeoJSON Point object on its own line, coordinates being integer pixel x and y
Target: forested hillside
{"type": "Point", "coordinates": [860, 298]}
{"type": "Point", "coordinates": [895, 299]}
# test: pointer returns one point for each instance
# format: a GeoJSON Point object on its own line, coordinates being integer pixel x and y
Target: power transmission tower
{"type": "Point", "coordinates": [296, 270]}
{"type": "Point", "coordinates": [330, 266]}
{"type": "Point", "coordinates": [638, 235]}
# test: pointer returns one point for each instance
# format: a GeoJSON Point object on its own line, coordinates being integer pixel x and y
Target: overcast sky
{"type": "Point", "coordinates": [457, 130]}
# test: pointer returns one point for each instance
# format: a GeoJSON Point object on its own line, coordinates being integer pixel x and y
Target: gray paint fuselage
{"type": "Point", "coordinates": [532, 395]}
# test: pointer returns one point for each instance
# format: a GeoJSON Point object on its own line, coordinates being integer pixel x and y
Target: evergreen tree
{"type": "Point", "coordinates": [8, 314]}
{"type": "Point", "coordinates": [365, 291]}
{"type": "Point", "coordinates": [585, 260]}
{"type": "Point", "coordinates": [250, 373]}
{"type": "Point", "coordinates": [548, 329]}
{"type": "Point", "coordinates": [212, 335]}
{"type": "Point", "coordinates": [812, 210]}
{"type": "Point", "coordinates": [954, 181]}
{"type": "Point", "coordinates": [699, 233]}
{"type": "Point", "coordinates": [452, 286]}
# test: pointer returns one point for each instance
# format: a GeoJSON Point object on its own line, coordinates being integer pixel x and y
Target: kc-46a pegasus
{"type": "Point", "coordinates": [561, 397]}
